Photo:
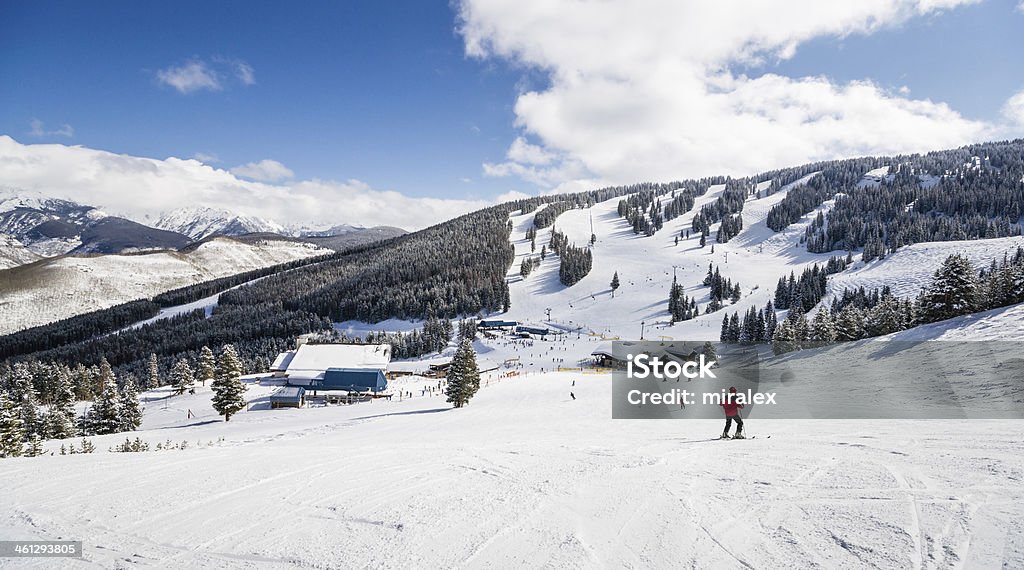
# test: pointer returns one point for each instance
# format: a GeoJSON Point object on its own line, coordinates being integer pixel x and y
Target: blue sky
{"type": "Point", "coordinates": [471, 100]}
{"type": "Point", "coordinates": [378, 91]}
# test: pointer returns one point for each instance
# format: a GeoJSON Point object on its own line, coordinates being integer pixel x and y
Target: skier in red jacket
{"type": "Point", "coordinates": [732, 412]}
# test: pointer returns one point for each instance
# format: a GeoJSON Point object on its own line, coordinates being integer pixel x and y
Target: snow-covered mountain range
{"type": "Point", "coordinates": [34, 227]}
{"type": "Point", "coordinates": [199, 222]}
{"type": "Point", "coordinates": [47, 226]}
{"type": "Point", "coordinates": [64, 286]}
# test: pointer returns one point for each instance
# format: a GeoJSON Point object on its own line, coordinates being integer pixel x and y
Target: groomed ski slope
{"type": "Point", "coordinates": [527, 476]}
{"type": "Point", "coordinates": [757, 257]}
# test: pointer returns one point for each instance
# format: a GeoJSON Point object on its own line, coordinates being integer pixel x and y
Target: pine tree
{"type": "Point", "coordinates": [206, 365]}
{"type": "Point", "coordinates": [105, 415]}
{"type": "Point", "coordinates": [153, 380]}
{"type": "Point", "coordinates": [34, 446]}
{"type": "Point", "coordinates": [884, 318]}
{"type": "Point", "coordinates": [615, 283]}
{"type": "Point", "coordinates": [181, 377]}
{"type": "Point", "coordinates": [60, 421]}
{"type": "Point", "coordinates": [708, 350]}
{"type": "Point", "coordinates": [228, 389]}
{"type": "Point", "coordinates": [734, 328]}
{"type": "Point", "coordinates": [849, 324]}
{"type": "Point", "coordinates": [952, 292]}
{"type": "Point", "coordinates": [771, 321]}
{"type": "Point", "coordinates": [23, 393]}
{"type": "Point", "coordinates": [463, 376]}
{"type": "Point", "coordinates": [12, 432]}
{"type": "Point", "coordinates": [131, 408]}
{"type": "Point", "coordinates": [801, 328]}
{"type": "Point", "coordinates": [823, 328]}
{"type": "Point", "coordinates": [784, 340]}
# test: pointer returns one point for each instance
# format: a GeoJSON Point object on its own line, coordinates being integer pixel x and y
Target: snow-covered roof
{"type": "Point", "coordinates": [282, 361]}
{"type": "Point", "coordinates": [311, 360]}
{"type": "Point", "coordinates": [287, 393]}
{"type": "Point", "coordinates": [616, 350]}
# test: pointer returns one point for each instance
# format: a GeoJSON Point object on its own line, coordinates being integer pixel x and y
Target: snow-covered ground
{"type": "Point", "coordinates": [534, 472]}
{"type": "Point", "coordinates": [13, 253]}
{"type": "Point", "coordinates": [911, 268]}
{"type": "Point", "coordinates": [66, 286]}
{"type": "Point", "coordinates": [526, 476]}
{"type": "Point", "coordinates": [757, 257]}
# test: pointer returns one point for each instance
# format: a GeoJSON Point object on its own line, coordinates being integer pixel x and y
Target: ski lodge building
{"type": "Point", "coordinates": [345, 367]}
{"type": "Point", "coordinates": [611, 354]}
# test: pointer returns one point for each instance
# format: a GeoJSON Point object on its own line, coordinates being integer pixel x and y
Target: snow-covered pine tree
{"type": "Point", "coordinates": [467, 329]}
{"type": "Point", "coordinates": [784, 339]}
{"type": "Point", "coordinates": [12, 432]}
{"type": "Point", "coordinates": [105, 415]}
{"type": "Point", "coordinates": [131, 408]}
{"type": "Point", "coordinates": [952, 292]}
{"type": "Point", "coordinates": [83, 382]}
{"type": "Point", "coordinates": [207, 365]}
{"type": "Point", "coordinates": [153, 379]}
{"type": "Point", "coordinates": [181, 377]}
{"type": "Point", "coordinates": [228, 389]}
{"type": "Point", "coordinates": [34, 446]}
{"type": "Point", "coordinates": [23, 393]}
{"type": "Point", "coordinates": [60, 421]}
{"type": "Point", "coordinates": [463, 375]}
{"type": "Point", "coordinates": [884, 318]}
{"type": "Point", "coordinates": [849, 324]}
{"type": "Point", "coordinates": [801, 328]}
{"type": "Point", "coordinates": [734, 328]}
{"type": "Point", "coordinates": [771, 321]}
{"type": "Point", "coordinates": [823, 329]}
{"type": "Point", "coordinates": [615, 283]}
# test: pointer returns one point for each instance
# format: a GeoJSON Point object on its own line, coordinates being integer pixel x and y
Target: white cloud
{"type": "Point", "coordinates": [137, 187]}
{"type": "Point", "coordinates": [195, 75]}
{"type": "Point", "coordinates": [512, 195]}
{"type": "Point", "coordinates": [38, 129]}
{"type": "Point", "coordinates": [266, 170]}
{"type": "Point", "coordinates": [198, 74]}
{"type": "Point", "coordinates": [650, 91]}
{"type": "Point", "coordinates": [1020, 7]}
{"type": "Point", "coordinates": [245, 73]}
{"type": "Point", "coordinates": [207, 158]}
{"type": "Point", "coordinates": [524, 152]}
{"type": "Point", "coordinates": [1013, 110]}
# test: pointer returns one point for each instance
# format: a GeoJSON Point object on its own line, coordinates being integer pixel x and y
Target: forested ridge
{"type": "Point", "coordinates": [972, 192]}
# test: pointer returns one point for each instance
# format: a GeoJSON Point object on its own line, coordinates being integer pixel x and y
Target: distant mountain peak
{"type": "Point", "coordinates": [199, 222]}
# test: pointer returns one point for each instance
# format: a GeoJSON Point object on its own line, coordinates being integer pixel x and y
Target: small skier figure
{"type": "Point", "coordinates": [573, 395]}
{"type": "Point", "coordinates": [732, 412]}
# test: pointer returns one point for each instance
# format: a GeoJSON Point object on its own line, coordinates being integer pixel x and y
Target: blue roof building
{"type": "Point", "coordinates": [496, 324]}
{"type": "Point", "coordinates": [351, 380]}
